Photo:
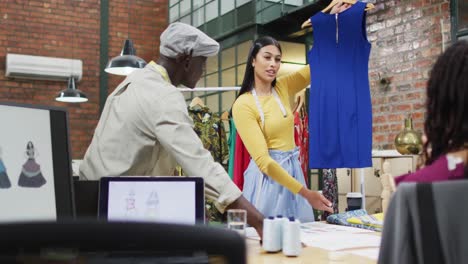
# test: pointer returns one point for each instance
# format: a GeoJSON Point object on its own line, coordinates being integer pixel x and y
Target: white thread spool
{"type": "Point", "coordinates": [292, 238]}
{"type": "Point", "coordinates": [271, 235]}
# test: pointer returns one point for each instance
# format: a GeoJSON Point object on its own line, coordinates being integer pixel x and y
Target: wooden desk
{"type": "Point", "coordinates": [256, 255]}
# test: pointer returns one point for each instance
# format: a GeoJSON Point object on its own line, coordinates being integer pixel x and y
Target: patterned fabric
{"type": "Point", "coordinates": [342, 219]}
{"type": "Point", "coordinates": [301, 137]}
{"type": "Point", "coordinates": [330, 189]}
{"type": "Point", "coordinates": [210, 128]}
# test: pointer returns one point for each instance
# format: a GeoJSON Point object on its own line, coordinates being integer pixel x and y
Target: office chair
{"type": "Point", "coordinates": [426, 223]}
{"type": "Point", "coordinates": [118, 242]}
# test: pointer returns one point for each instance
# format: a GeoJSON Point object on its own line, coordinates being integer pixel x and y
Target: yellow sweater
{"type": "Point", "coordinates": [278, 131]}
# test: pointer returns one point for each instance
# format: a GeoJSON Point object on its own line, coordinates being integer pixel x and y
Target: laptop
{"type": "Point", "coordinates": [179, 200]}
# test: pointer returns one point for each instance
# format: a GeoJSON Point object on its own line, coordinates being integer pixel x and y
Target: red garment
{"type": "Point", "coordinates": [301, 138]}
{"type": "Point", "coordinates": [241, 162]}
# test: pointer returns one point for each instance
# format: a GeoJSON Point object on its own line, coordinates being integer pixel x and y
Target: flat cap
{"type": "Point", "coordinates": [180, 38]}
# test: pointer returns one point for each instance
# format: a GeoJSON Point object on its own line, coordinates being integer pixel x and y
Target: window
{"type": "Point", "coordinates": [459, 19]}
{"type": "Point", "coordinates": [211, 10]}
{"type": "Point", "coordinates": [174, 12]}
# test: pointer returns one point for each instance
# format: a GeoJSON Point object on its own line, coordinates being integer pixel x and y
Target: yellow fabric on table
{"type": "Point", "coordinates": [375, 220]}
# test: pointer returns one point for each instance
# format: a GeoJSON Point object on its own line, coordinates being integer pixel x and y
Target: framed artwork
{"type": "Point", "coordinates": [35, 164]}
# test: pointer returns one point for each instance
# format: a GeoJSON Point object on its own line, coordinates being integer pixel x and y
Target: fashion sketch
{"type": "Point", "coordinates": [31, 175]}
{"type": "Point", "coordinates": [152, 206]}
{"type": "Point", "coordinates": [131, 211]}
{"type": "Point", "coordinates": [4, 180]}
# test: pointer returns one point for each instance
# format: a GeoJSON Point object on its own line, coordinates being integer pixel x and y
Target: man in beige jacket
{"type": "Point", "coordinates": [145, 128]}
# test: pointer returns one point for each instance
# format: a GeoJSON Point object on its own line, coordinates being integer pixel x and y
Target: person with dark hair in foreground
{"type": "Point", "coordinates": [446, 125]}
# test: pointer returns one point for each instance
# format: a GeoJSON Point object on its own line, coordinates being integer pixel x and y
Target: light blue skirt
{"type": "Point", "coordinates": [271, 198]}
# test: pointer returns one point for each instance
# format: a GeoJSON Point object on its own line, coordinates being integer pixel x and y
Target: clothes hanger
{"type": "Point", "coordinates": [197, 101]}
{"type": "Point", "coordinates": [369, 6]}
{"type": "Point", "coordinates": [307, 23]}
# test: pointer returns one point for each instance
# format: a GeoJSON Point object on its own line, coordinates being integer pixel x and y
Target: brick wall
{"type": "Point", "coordinates": [406, 36]}
{"type": "Point", "coordinates": [70, 29]}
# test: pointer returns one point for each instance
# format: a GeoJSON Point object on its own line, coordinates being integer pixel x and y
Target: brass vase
{"type": "Point", "coordinates": [408, 141]}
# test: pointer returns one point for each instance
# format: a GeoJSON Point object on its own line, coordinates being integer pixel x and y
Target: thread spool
{"type": "Point", "coordinates": [292, 238]}
{"type": "Point", "coordinates": [271, 235]}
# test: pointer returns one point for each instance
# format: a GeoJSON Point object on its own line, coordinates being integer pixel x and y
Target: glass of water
{"type": "Point", "coordinates": [237, 220]}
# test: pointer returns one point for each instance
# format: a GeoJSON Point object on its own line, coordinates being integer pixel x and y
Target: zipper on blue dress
{"type": "Point", "coordinates": [337, 28]}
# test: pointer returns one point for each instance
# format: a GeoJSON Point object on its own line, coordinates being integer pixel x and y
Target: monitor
{"type": "Point", "coordinates": [179, 200]}
{"type": "Point", "coordinates": [35, 165]}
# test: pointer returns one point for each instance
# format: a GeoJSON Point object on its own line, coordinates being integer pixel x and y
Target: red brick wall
{"type": "Point", "coordinates": [70, 29]}
{"type": "Point", "coordinates": [406, 37]}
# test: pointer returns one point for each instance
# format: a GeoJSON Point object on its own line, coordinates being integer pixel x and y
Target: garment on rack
{"type": "Point", "coordinates": [232, 147]}
{"type": "Point", "coordinates": [241, 162]}
{"type": "Point", "coordinates": [340, 112]}
{"type": "Point", "coordinates": [210, 129]}
{"type": "Point", "coordinates": [301, 137]}
{"type": "Point", "coordinates": [4, 180]}
{"type": "Point", "coordinates": [330, 190]}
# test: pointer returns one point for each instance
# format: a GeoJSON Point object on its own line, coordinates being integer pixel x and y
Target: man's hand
{"type": "Point", "coordinates": [254, 217]}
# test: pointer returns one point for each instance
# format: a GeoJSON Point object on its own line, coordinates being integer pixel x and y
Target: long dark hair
{"type": "Point", "coordinates": [446, 124]}
{"type": "Point", "coordinates": [249, 76]}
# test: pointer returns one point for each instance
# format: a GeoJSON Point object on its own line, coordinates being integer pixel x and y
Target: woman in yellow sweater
{"type": "Point", "coordinates": [273, 181]}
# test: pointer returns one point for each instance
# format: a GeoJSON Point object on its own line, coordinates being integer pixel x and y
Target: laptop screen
{"type": "Point", "coordinates": [152, 199]}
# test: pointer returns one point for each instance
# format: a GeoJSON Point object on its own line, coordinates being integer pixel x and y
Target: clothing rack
{"type": "Point", "coordinates": [209, 89]}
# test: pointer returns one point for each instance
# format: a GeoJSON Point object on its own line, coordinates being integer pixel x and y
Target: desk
{"type": "Point", "coordinates": [256, 254]}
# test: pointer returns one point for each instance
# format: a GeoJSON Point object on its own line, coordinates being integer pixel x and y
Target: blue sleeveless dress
{"type": "Point", "coordinates": [340, 111]}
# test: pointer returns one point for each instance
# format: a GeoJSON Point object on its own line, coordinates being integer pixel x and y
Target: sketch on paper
{"type": "Point", "coordinates": [4, 180]}
{"type": "Point", "coordinates": [131, 211]}
{"type": "Point", "coordinates": [152, 206]}
{"type": "Point", "coordinates": [31, 175]}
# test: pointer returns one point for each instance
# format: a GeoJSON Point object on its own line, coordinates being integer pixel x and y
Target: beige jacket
{"type": "Point", "coordinates": [145, 130]}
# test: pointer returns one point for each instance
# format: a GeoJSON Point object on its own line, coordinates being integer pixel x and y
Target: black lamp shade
{"type": "Point", "coordinates": [71, 94]}
{"type": "Point", "coordinates": [126, 62]}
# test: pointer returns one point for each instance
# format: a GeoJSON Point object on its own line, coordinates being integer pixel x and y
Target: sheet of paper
{"type": "Point", "coordinates": [336, 237]}
{"type": "Point", "coordinates": [372, 253]}
{"type": "Point", "coordinates": [321, 228]}
{"type": "Point", "coordinates": [340, 241]}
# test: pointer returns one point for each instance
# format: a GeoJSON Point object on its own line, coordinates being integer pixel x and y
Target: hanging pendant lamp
{"type": "Point", "coordinates": [126, 62]}
{"type": "Point", "coordinates": [71, 94]}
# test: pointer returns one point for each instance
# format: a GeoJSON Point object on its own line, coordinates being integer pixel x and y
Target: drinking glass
{"type": "Point", "coordinates": [237, 220]}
